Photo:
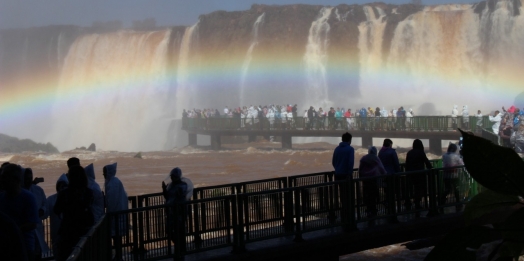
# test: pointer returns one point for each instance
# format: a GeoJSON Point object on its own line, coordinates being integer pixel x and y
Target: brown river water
{"type": "Point", "coordinates": [235, 163]}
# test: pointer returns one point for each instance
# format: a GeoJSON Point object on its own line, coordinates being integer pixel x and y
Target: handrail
{"type": "Point", "coordinates": [416, 123]}
{"type": "Point", "coordinates": [239, 219]}
{"type": "Point", "coordinates": [94, 244]}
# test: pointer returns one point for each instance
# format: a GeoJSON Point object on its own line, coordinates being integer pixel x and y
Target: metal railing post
{"type": "Point", "coordinates": [298, 216]}
{"type": "Point", "coordinates": [432, 189]}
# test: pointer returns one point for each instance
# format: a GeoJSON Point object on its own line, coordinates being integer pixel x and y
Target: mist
{"type": "Point", "coordinates": [122, 82]}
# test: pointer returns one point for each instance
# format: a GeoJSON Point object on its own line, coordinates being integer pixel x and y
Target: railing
{"type": "Point", "coordinates": [417, 123]}
{"type": "Point", "coordinates": [489, 135]}
{"type": "Point", "coordinates": [94, 245]}
{"type": "Point", "coordinates": [237, 220]}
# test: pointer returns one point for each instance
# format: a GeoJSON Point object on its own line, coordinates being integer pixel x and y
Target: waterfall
{"type": "Point", "coordinates": [371, 34]}
{"type": "Point", "coordinates": [112, 92]}
{"type": "Point", "coordinates": [437, 47]}
{"type": "Point", "coordinates": [249, 56]}
{"type": "Point", "coordinates": [186, 86]}
{"type": "Point", "coordinates": [315, 60]}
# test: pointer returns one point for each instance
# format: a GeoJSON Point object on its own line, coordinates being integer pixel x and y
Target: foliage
{"type": "Point", "coordinates": [494, 214]}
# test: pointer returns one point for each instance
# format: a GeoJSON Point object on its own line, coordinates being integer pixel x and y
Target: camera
{"type": "Point", "coordinates": [38, 180]}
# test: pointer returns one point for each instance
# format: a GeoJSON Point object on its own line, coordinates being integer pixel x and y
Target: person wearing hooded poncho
{"type": "Point", "coordinates": [371, 166]}
{"type": "Point", "coordinates": [116, 200]}
{"type": "Point", "coordinates": [416, 160]}
{"type": "Point", "coordinates": [451, 177]}
{"type": "Point", "coordinates": [176, 194]}
{"type": "Point", "coordinates": [38, 192]}
{"type": "Point", "coordinates": [98, 203]}
{"type": "Point", "coordinates": [465, 117]}
{"type": "Point", "coordinates": [454, 114]}
{"type": "Point", "coordinates": [56, 220]}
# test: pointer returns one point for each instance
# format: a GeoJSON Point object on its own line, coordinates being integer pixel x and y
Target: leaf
{"type": "Point", "coordinates": [497, 168]}
{"type": "Point", "coordinates": [486, 202]}
{"type": "Point", "coordinates": [513, 229]}
{"type": "Point", "coordinates": [455, 244]}
{"type": "Point", "coordinates": [511, 249]}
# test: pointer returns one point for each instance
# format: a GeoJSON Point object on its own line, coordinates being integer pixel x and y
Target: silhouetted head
{"type": "Point", "coordinates": [10, 179]}
{"type": "Point", "coordinates": [77, 177]}
{"type": "Point", "coordinates": [61, 183]}
{"type": "Point", "coordinates": [372, 150]}
{"type": "Point", "coordinates": [74, 161]}
{"type": "Point", "coordinates": [387, 143]}
{"type": "Point", "coordinates": [417, 145]}
{"type": "Point", "coordinates": [346, 137]}
{"type": "Point", "coordinates": [175, 174]}
{"type": "Point", "coordinates": [28, 178]}
{"type": "Point", "coordinates": [452, 148]}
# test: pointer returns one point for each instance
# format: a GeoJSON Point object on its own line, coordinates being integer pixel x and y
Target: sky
{"type": "Point", "coordinates": [33, 13]}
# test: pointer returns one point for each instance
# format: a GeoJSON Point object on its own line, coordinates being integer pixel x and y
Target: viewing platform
{"type": "Point", "coordinates": [303, 217]}
{"type": "Point", "coordinates": [433, 128]}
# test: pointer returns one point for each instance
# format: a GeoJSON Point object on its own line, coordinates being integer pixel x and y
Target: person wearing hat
{"type": "Point", "coordinates": [175, 194]}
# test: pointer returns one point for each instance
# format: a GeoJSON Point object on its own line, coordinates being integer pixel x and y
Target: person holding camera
{"type": "Point", "coordinates": [30, 184]}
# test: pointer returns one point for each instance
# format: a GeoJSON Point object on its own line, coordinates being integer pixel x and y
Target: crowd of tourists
{"type": "Point", "coordinates": [79, 203]}
{"type": "Point", "coordinates": [385, 162]}
{"type": "Point", "coordinates": [509, 126]}
{"type": "Point", "coordinates": [506, 123]}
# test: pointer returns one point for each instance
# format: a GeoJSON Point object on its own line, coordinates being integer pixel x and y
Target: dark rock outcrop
{"type": "Point", "coordinates": [92, 147]}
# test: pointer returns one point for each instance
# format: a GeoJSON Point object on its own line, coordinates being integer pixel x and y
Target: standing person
{"type": "Point", "coordinates": [331, 118]}
{"type": "Point", "coordinates": [454, 114]}
{"type": "Point", "coordinates": [506, 131]}
{"type": "Point", "coordinates": [409, 118]}
{"type": "Point", "coordinates": [73, 204]}
{"type": "Point", "coordinates": [98, 197]}
{"type": "Point", "coordinates": [465, 117]}
{"type": "Point", "coordinates": [343, 161]}
{"type": "Point", "coordinates": [347, 115]}
{"type": "Point", "coordinates": [56, 220]}
{"type": "Point", "coordinates": [175, 194]}
{"type": "Point", "coordinates": [479, 120]}
{"type": "Point", "coordinates": [416, 159]}
{"type": "Point", "coordinates": [320, 119]}
{"type": "Point", "coordinates": [338, 118]}
{"type": "Point", "coordinates": [344, 158]}
{"type": "Point", "coordinates": [41, 202]}
{"type": "Point", "coordinates": [496, 121]}
{"type": "Point", "coordinates": [294, 111]}
{"type": "Point", "coordinates": [116, 200]}
{"type": "Point", "coordinates": [371, 166]}
{"type": "Point", "coordinates": [19, 205]}
{"type": "Point", "coordinates": [451, 179]}
{"type": "Point", "coordinates": [377, 119]}
{"type": "Point", "coordinates": [389, 158]}
{"type": "Point", "coordinates": [310, 115]}
{"type": "Point", "coordinates": [363, 119]}
{"type": "Point", "coordinates": [517, 138]}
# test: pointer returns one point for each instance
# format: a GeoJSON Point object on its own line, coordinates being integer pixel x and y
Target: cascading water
{"type": "Point", "coordinates": [434, 48]}
{"type": "Point", "coordinates": [316, 59]}
{"type": "Point", "coordinates": [111, 92]}
{"type": "Point", "coordinates": [371, 34]}
{"type": "Point", "coordinates": [186, 85]}
{"type": "Point", "coordinates": [249, 56]}
{"type": "Point", "coordinates": [438, 56]}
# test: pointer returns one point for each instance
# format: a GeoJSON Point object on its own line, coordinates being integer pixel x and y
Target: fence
{"type": "Point", "coordinates": [93, 246]}
{"type": "Point", "coordinates": [240, 219]}
{"type": "Point", "coordinates": [417, 123]}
